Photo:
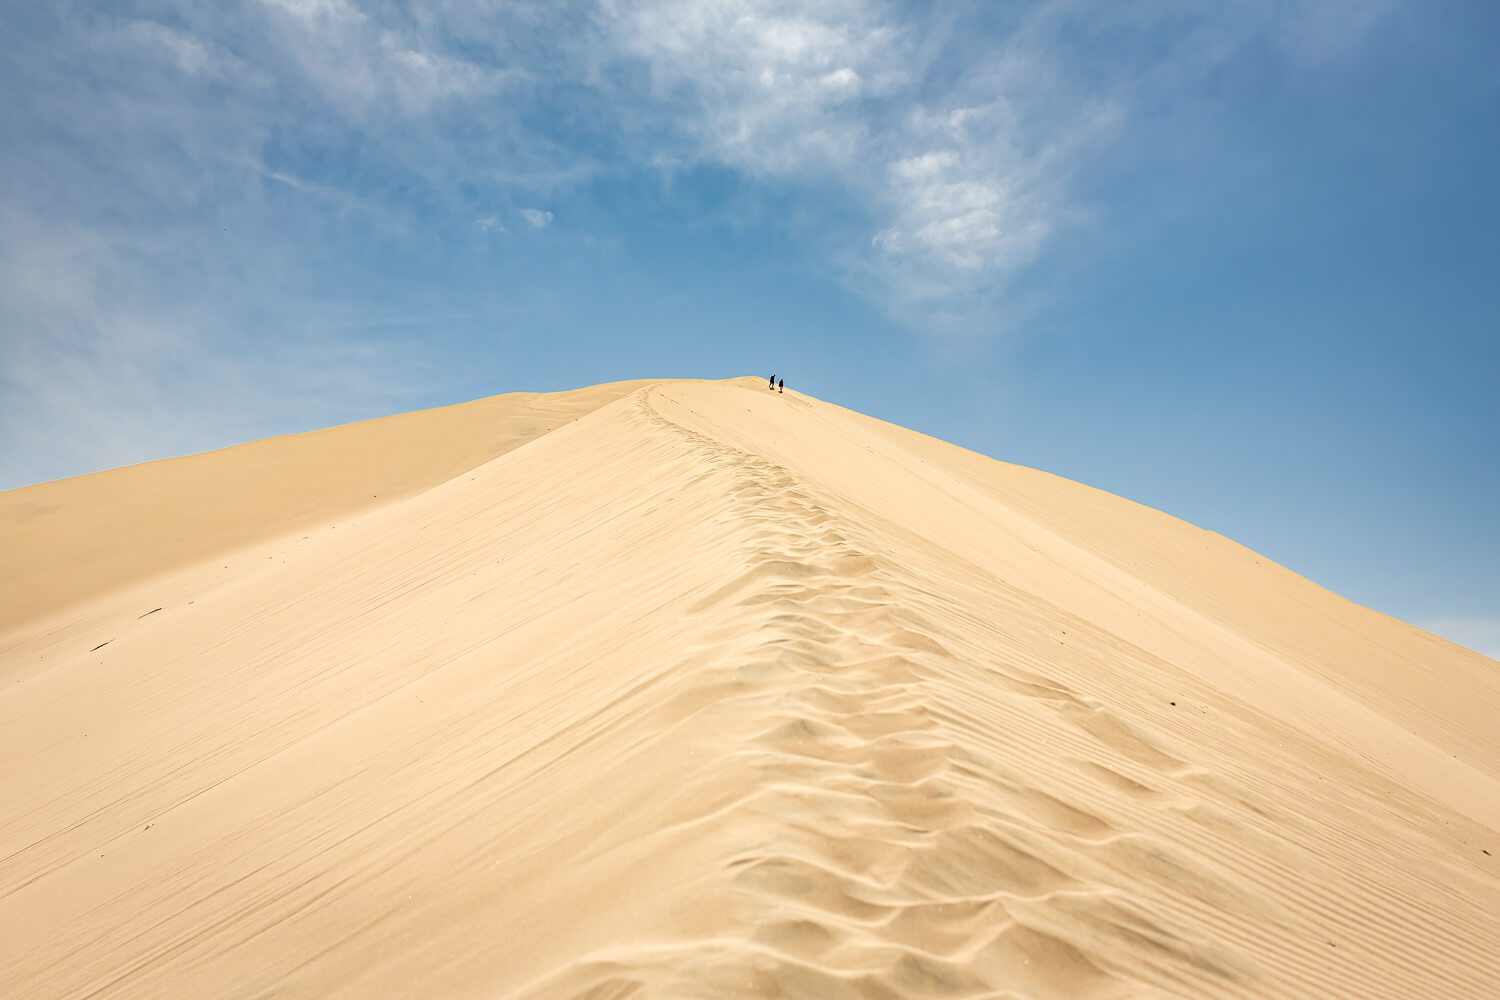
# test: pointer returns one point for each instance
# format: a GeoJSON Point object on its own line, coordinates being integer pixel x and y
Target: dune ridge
{"type": "Point", "coordinates": [63, 543]}
{"type": "Point", "coordinates": [715, 692]}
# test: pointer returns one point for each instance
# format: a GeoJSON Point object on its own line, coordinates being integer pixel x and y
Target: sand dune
{"type": "Point", "coordinates": [71, 540]}
{"type": "Point", "coordinates": [713, 692]}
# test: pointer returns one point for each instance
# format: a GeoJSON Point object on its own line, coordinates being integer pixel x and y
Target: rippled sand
{"type": "Point", "coordinates": [690, 689]}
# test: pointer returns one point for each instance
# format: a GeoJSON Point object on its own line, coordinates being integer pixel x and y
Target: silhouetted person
{"type": "Point", "coordinates": [783, 386]}
{"type": "Point", "coordinates": [773, 381]}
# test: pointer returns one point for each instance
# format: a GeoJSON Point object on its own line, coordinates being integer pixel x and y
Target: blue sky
{"type": "Point", "coordinates": [1236, 261]}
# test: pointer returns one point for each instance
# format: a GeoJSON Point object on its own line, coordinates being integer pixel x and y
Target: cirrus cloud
{"type": "Point", "coordinates": [536, 218]}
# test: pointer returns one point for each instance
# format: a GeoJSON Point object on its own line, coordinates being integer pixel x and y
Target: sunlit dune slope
{"type": "Point", "coordinates": [717, 692]}
{"type": "Point", "coordinates": [64, 542]}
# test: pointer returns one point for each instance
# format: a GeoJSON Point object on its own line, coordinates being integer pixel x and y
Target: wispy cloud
{"type": "Point", "coordinates": [364, 64]}
{"type": "Point", "coordinates": [105, 364]}
{"type": "Point", "coordinates": [193, 56]}
{"type": "Point", "coordinates": [536, 218]}
{"type": "Point", "coordinates": [767, 87]}
{"type": "Point", "coordinates": [955, 137]}
{"type": "Point", "coordinates": [957, 156]}
{"type": "Point", "coordinates": [152, 298]}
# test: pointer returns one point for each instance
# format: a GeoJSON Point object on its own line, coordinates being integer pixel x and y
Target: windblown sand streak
{"type": "Point", "coordinates": [716, 692]}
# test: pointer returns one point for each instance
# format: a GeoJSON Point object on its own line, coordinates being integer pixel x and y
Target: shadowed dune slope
{"type": "Point", "coordinates": [714, 692]}
{"type": "Point", "coordinates": [64, 542]}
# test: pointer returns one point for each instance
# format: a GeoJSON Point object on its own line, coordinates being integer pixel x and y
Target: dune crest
{"type": "Point", "coordinates": [65, 542]}
{"type": "Point", "coordinates": [713, 692]}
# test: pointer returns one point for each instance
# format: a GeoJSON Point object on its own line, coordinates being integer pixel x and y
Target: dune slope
{"type": "Point", "coordinates": [715, 692]}
{"type": "Point", "coordinates": [65, 542]}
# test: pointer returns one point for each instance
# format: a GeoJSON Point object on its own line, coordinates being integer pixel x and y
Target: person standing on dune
{"type": "Point", "coordinates": [783, 386]}
{"type": "Point", "coordinates": [773, 381]}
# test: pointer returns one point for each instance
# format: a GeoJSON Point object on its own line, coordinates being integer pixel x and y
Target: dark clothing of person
{"type": "Point", "coordinates": [783, 386]}
{"type": "Point", "coordinates": [773, 381]}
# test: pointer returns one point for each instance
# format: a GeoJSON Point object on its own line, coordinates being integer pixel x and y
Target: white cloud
{"type": "Point", "coordinates": [364, 65]}
{"type": "Point", "coordinates": [153, 290]}
{"type": "Point", "coordinates": [489, 223]}
{"type": "Point", "coordinates": [1479, 634]}
{"type": "Point", "coordinates": [536, 218]}
{"type": "Point", "coordinates": [317, 10]}
{"type": "Point", "coordinates": [191, 55]}
{"type": "Point", "coordinates": [766, 87]}
{"type": "Point", "coordinates": [957, 135]}
{"type": "Point", "coordinates": [962, 180]}
{"type": "Point", "coordinates": [121, 349]}
{"type": "Point", "coordinates": [945, 211]}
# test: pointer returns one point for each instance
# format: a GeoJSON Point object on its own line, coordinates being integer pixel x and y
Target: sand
{"type": "Point", "coordinates": [73, 539]}
{"type": "Point", "coordinates": [684, 688]}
